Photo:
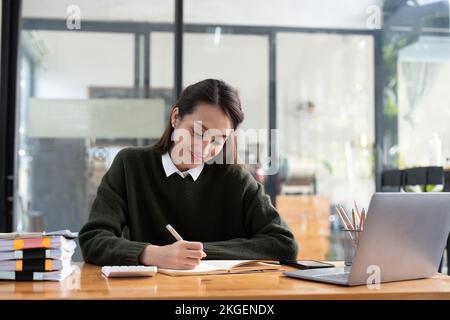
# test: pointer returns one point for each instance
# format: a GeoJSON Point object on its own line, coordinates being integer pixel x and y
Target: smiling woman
{"type": "Point", "coordinates": [209, 105]}
{"type": "Point", "coordinates": [222, 211]}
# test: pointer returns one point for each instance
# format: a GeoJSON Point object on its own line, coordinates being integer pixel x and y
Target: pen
{"type": "Point", "coordinates": [173, 232]}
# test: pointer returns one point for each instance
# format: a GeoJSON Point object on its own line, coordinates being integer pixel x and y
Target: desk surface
{"type": "Point", "coordinates": [88, 283]}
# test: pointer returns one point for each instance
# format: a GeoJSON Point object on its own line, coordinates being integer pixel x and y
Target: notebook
{"type": "Point", "coordinates": [37, 276]}
{"type": "Point", "coordinates": [36, 253]}
{"type": "Point", "coordinates": [225, 267]}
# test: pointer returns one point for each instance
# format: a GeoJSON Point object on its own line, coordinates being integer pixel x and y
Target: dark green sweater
{"type": "Point", "coordinates": [225, 209]}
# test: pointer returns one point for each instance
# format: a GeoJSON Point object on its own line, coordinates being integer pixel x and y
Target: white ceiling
{"type": "Point", "coordinates": [309, 13]}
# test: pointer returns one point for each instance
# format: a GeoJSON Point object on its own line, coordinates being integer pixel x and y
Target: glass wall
{"type": "Point", "coordinates": [416, 60]}
{"type": "Point", "coordinates": [415, 65]}
{"type": "Point", "coordinates": [423, 74]}
{"type": "Point", "coordinates": [321, 65]}
{"type": "Point", "coordinates": [84, 95]}
{"type": "Point", "coordinates": [242, 61]}
{"type": "Point", "coordinates": [346, 14]}
{"type": "Point", "coordinates": [306, 69]}
{"type": "Point", "coordinates": [325, 113]}
{"type": "Point", "coordinates": [322, 96]}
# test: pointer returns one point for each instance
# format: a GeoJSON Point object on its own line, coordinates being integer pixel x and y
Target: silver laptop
{"type": "Point", "coordinates": [404, 238]}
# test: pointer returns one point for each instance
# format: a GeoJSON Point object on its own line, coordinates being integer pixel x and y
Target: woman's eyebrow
{"type": "Point", "coordinates": [205, 129]}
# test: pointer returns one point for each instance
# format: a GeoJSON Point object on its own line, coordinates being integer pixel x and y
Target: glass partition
{"type": "Point", "coordinates": [84, 95]}
{"type": "Point", "coordinates": [305, 70]}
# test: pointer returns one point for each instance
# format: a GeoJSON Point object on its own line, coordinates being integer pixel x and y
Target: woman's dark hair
{"type": "Point", "coordinates": [210, 91]}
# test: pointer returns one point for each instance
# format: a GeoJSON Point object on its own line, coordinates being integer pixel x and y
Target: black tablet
{"type": "Point", "coordinates": [306, 264]}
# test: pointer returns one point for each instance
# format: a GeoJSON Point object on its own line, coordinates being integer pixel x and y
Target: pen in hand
{"type": "Point", "coordinates": [174, 232]}
{"type": "Point", "coordinates": [176, 235]}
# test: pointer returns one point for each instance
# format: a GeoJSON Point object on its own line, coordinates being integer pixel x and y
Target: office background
{"type": "Point", "coordinates": [356, 88]}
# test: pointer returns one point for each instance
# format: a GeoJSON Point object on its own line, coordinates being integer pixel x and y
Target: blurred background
{"type": "Point", "coordinates": [356, 89]}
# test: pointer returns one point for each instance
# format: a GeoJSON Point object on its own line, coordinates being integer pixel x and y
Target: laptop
{"type": "Point", "coordinates": [404, 238]}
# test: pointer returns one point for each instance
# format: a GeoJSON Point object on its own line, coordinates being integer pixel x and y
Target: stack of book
{"type": "Point", "coordinates": [37, 255]}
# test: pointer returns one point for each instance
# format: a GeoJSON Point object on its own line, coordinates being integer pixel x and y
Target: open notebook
{"type": "Point", "coordinates": [225, 266]}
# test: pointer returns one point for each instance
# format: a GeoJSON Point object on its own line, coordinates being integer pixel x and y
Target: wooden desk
{"type": "Point", "coordinates": [88, 283]}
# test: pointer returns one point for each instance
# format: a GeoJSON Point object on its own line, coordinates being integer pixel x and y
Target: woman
{"type": "Point", "coordinates": [219, 209]}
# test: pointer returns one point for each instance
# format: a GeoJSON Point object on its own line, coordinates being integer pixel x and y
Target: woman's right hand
{"type": "Point", "coordinates": [178, 255]}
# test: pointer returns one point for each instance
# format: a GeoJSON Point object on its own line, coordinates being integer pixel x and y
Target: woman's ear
{"type": "Point", "coordinates": [174, 116]}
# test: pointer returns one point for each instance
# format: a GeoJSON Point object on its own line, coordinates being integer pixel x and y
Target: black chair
{"type": "Point", "coordinates": [395, 180]}
{"type": "Point", "coordinates": [447, 181]}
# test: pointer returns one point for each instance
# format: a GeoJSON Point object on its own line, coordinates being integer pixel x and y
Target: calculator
{"type": "Point", "coordinates": [129, 271]}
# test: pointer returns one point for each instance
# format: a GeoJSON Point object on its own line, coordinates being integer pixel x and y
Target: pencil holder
{"type": "Point", "coordinates": [351, 239]}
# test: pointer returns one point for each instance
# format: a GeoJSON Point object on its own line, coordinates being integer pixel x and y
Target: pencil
{"type": "Point", "coordinates": [342, 219]}
{"type": "Point", "coordinates": [344, 223]}
{"type": "Point", "coordinates": [363, 219]}
{"type": "Point", "coordinates": [355, 225]}
{"type": "Point", "coordinates": [349, 223]}
{"type": "Point", "coordinates": [346, 217]}
{"type": "Point", "coordinates": [357, 210]}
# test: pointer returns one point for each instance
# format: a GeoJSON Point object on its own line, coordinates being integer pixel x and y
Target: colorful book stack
{"type": "Point", "coordinates": [37, 255]}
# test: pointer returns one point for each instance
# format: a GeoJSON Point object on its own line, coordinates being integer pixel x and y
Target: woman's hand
{"type": "Point", "coordinates": [178, 255]}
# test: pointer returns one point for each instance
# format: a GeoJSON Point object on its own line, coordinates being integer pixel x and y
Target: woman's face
{"type": "Point", "coordinates": [199, 136]}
